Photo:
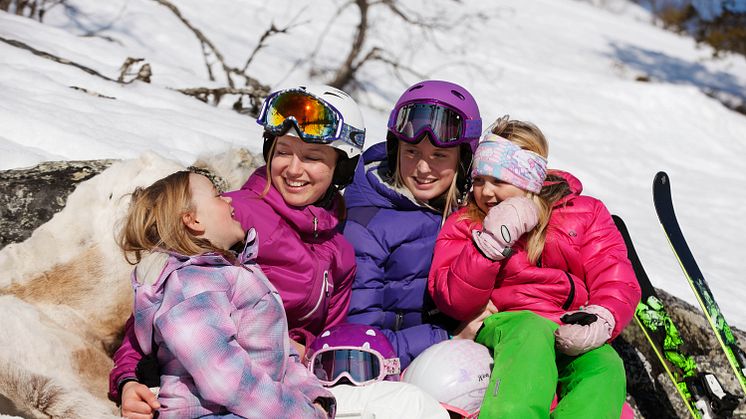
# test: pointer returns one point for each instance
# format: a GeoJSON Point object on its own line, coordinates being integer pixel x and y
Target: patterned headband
{"type": "Point", "coordinates": [504, 160]}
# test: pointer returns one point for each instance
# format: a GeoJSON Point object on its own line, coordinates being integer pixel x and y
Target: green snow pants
{"type": "Point", "coordinates": [527, 373]}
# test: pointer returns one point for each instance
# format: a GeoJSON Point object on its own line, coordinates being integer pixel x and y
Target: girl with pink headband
{"type": "Point", "coordinates": [555, 267]}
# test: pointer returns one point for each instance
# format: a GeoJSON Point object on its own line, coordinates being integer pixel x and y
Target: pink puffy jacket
{"type": "Point", "coordinates": [584, 262]}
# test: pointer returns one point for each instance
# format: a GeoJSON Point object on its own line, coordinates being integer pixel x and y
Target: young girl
{"type": "Point", "coordinates": [213, 320]}
{"type": "Point", "coordinates": [555, 267]}
{"type": "Point", "coordinates": [313, 137]}
{"type": "Point", "coordinates": [396, 205]}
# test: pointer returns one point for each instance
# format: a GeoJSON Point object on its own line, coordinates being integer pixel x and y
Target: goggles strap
{"type": "Point", "coordinates": [392, 366]}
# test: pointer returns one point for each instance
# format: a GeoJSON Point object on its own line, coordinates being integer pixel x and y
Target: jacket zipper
{"type": "Point", "coordinates": [399, 320]}
{"type": "Point", "coordinates": [324, 293]}
{"type": "Point", "coordinates": [571, 296]}
{"type": "Point", "coordinates": [315, 227]}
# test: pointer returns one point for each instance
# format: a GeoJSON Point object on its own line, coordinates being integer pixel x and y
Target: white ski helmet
{"type": "Point", "coordinates": [455, 372]}
{"type": "Point", "coordinates": [317, 114]}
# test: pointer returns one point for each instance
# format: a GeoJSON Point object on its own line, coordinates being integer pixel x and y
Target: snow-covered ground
{"type": "Point", "coordinates": [568, 66]}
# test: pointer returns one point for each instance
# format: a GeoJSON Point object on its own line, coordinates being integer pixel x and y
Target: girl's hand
{"type": "Point", "coordinates": [469, 328]}
{"type": "Point", "coordinates": [138, 402]}
{"type": "Point", "coordinates": [300, 348]}
{"type": "Point", "coordinates": [504, 224]}
{"type": "Point", "coordinates": [321, 409]}
{"type": "Point", "coordinates": [584, 330]}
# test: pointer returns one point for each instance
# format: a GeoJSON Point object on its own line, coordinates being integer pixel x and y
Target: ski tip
{"type": "Point", "coordinates": [661, 177]}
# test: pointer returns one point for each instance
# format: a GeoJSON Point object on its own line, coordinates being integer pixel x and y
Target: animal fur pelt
{"type": "Point", "coordinates": [65, 293]}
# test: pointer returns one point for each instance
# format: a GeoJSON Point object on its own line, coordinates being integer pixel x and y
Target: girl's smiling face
{"type": "Point", "coordinates": [426, 170]}
{"type": "Point", "coordinates": [212, 215]}
{"type": "Point", "coordinates": [300, 171]}
{"type": "Point", "coordinates": [489, 191]}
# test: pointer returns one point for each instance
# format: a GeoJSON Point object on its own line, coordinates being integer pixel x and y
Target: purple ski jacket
{"type": "Point", "coordinates": [393, 237]}
{"type": "Point", "coordinates": [303, 253]}
{"type": "Point", "coordinates": [221, 338]}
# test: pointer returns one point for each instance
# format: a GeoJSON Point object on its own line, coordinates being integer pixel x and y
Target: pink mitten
{"type": "Point", "coordinates": [584, 330]}
{"type": "Point", "coordinates": [504, 224]}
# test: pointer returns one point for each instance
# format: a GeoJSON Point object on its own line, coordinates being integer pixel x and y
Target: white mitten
{"type": "Point", "coordinates": [584, 330]}
{"type": "Point", "coordinates": [504, 224]}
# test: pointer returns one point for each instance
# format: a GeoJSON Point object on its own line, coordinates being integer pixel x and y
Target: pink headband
{"type": "Point", "coordinates": [504, 160]}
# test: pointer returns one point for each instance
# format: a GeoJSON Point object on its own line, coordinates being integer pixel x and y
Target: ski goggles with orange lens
{"type": "Point", "coordinates": [359, 366]}
{"type": "Point", "coordinates": [446, 126]}
{"type": "Point", "coordinates": [314, 120]}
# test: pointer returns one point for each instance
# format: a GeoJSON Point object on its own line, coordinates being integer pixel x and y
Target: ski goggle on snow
{"type": "Point", "coordinates": [315, 120]}
{"type": "Point", "coordinates": [446, 126]}
{"type": "Point", "coordinates": [359, 366]}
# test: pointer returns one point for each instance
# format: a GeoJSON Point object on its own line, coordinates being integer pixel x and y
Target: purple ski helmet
{"type": "Point", "coordinates": [357, 352]}
{"type": "Point", "coordinates": [446, 112]}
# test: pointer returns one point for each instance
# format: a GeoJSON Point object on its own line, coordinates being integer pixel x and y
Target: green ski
{"type": "Point", "coordinates": [700, 391]}
{"type": "Point", "coordinates": [664, 208]}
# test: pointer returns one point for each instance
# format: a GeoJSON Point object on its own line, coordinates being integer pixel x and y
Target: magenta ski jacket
{"type": "Point", "coordinates": [584, 262]}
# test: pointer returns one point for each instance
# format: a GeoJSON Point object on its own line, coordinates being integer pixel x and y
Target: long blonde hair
{"type": "Point", "coordinates": [154, 221]}
{"type": "Point", "coordinates": [529, 137]}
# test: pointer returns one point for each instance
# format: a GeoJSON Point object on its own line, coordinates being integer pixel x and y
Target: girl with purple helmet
{"type": "Point", "coordinates": [396, 203]}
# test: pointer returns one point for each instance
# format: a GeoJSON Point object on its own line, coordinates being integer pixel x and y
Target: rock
{"type": "Point", "coordinates": [30, 197]}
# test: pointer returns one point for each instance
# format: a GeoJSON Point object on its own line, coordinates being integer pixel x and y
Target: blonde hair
{"type": "Point", "coordinates": [450, 197]}
{"type": "Point", "coordinates": [154, 221]}
{"type": "Point", "coordinates": [529, 137]}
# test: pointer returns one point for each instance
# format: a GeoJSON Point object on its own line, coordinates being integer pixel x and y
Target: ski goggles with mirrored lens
{"type": "Point", "coordinates": [359, 366]}
{"type": "Point", "coordinates": [315, 120]}
{"type": "Point", "coordinates": [446, 126]}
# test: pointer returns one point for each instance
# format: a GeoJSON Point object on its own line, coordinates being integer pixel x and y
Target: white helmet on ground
{"type": "Point", "coordinates": [455, 372]}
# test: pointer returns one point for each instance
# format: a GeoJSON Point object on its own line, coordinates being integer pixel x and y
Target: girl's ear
{"type": "Point", "coordinates": [190, 220]}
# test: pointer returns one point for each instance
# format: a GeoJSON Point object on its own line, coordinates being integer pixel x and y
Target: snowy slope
{"type": "Point", "coordinates": [566, 65]}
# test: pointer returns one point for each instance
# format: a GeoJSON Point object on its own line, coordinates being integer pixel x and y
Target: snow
{"type": "Point", "coordinates": [568, 66]}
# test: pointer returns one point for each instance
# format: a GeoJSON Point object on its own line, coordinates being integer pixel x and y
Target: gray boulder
{"type": "Point", "coordinates": [30, 197]}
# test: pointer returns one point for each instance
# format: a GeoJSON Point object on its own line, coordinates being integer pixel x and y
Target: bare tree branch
{"type": "Point", "coordinates": [33, 9]}
{"type": "Point", "coordinates": [206, 43]}
{"type": "Point", "coordinates": [143, 74]}
{"type": "Point", "coordinates": [398, 66]}
{"type": "Point", "coordinates": [208, 48]}
{"type": "Point", "coordinates": [91, 92]}
{"type": "Point", "coordinates": [269, 32]}
{"type": "Point", "coordinates": [412, 17]}
{"type": "Point", "coordinates": [347, 70]}
{"type": "Point", "coordinates": [344, 75]}
{"type": "Point", "coordinates": [19, 44]}
{"type": "Point", "coordinates": [215, 95]}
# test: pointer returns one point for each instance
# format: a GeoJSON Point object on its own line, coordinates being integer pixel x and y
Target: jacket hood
{"type": "Point", "coordinates": [150, 276]}
{"type": "Point", "coordinates": [371, 187]}
{"type": "Point", "coordinates": [300, 218]}
{"type": "Point", "coordinates": [576, 187]}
